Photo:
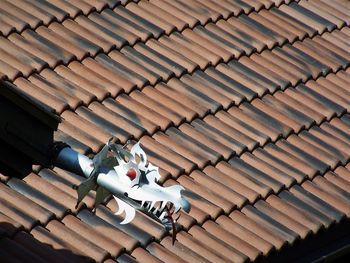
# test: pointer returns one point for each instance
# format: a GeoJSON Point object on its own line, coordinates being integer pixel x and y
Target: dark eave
{"type": "Point", "coordinates": [29, 104]}
{"type": "Point", "coordinates": [26, 127]}
{"type": "Point", "coordinates": [327, 246]}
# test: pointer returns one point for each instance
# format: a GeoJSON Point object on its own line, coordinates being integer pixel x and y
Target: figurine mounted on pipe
{"type": "Point", "coordinates": [129, 177]}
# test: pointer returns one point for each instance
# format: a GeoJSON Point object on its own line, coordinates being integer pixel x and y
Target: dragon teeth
{"type": "Point", "coordinates": [156, 208]}
{"type": "Point", "coordinates": [163, 205]}
{"type": "Point", "coordinates": [162, 215]}
{"type": "Point", "coordinates": [155, 211]}
{"type": "Point", "coordinates": [151, 206]}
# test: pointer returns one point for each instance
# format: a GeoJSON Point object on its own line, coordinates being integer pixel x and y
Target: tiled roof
{"type": "Point", "coordinates": [246, 103]}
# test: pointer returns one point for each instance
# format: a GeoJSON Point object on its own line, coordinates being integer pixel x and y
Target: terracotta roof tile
{"type": "Point", "coordinates": [266, 107]}
{"type": "Point", "coordinates": [220, 189]}
{"type": "Point", "coordinates": [151, 76]}
{"type": "Point", "coordinates": [73, 8]}
{"type": "Point", "coordinates": [221, 176]}
{"type": "Point", "coordinates": [170, 253]}
{"type": "Point", "coordinates": [226, 132]}
{"type": "Point", "coordinates": [148, 113]}
{"type": "Point", "coordinates": [60, 54]}
{"type": "Point", "coordinates": [132, 230]}
{"type": "Point", "coordinates": [227, 250]}
{"type": "Point", "coordinates": [23, 209]}
{"type": "Point", "coordinates": [110, 245]}
{"type": "Point", "coordinates": [155, 30]}
{"type": "Point", "coordinates": [287, 156]}
{"type": "Point", "coordinates": [300, 206]}
{"type": "Point", "coordinates": [9, 17]}
{"type": "Point", "coordinates": [314, 205]}
{"type": "Point", "coordinates": [64, 186]}
{"type": "Point", "coordinates": [304, 154]}
{"type": "Point", "coordinates": [202, 85]}
{"type": "Point", "coordinates": [200, 149]}
{"type": "Point", "coordinates": [337, 180]}
{"type": "Point", "coordinates": [48, 189]}
{"type": "Point", "coordinates": [66, 250]}
{"type": "Point", "coordinates": [296, 26]}
{"type": "Point", "coordinates": [255, 174]}
{"type": "Point", "coordinates": [152, 17]}
{"type": "Point", "coordinates": [278, 162]}
{"type": "Point", "coordinates": [154, 67]}
{"type": "Point", "coordinates": [20, 55]}
{"type": "Point", "coordinates": [117, 36]}
{"type": "Point", "coordinates": [209, 253]}
{"type": "Point", "coordinates": [109, 127]}
{"type": "Point", "coordinates": [75, 39]}
{"type": "Point", "coordinates": [205, 38]}
{"type": "Point", "coordinates": [250, 240]}
{"type": "Point", "coordinates": [107, 229]}
{"type": "Point", "coordinates": [38, 197]}
{"type": "Point", "coordinates": [121, 70]}
{"type": "Point", "coordinates": [211, 195]}
{"type": "Point", "coordinates": [86, 125]}
{"type": "Point", "coordinates": [273, 214]}
{"type": "Point", "coordinates": [143, 255]}
{"type": "Point", "coordinates": [271, 224]}
{"type": "Point", "coordinates": [100, 76]}
{"type": "Point", "coordinates": [258, 228]}
{"type": "Point", "coordinates": [6, 26]}
{"type": "Point", "coordinates": [328, 147]}
{"type": "Point", "coordinates": [269, 169]}
{"type": "Point", "coordinates": [127, 113]}
{"type": "Point", "coordinates": [77, 241]}
{"type": "Point", "coordinates": [248, 181]}
{"type": "Point", "coordinates": [305, 219]}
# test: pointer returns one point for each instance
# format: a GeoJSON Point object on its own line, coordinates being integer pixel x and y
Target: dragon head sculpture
{"type": "Point", "coordinates": [130, 178]}
{"type": "Point", "coordinates": [135, 184]}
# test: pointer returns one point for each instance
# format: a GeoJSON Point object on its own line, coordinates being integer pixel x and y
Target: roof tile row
{"type": "Point", "coordinates": [18, 15]}
{"type": "Point", "coordinates": [291, 104]}
{"type": "Point", "coordinates": [99, 37]}
{"type": "Point", "coordinates": [279, 57]}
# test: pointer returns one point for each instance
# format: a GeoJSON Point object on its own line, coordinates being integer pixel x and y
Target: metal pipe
{"type": "Point", "coordinates": [72, 161]}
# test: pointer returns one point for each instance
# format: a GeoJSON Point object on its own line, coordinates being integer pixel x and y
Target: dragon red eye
{"type": "Point", "coordinates": [131, 173]}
